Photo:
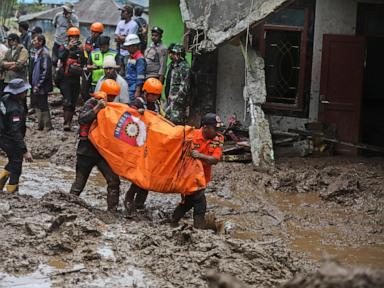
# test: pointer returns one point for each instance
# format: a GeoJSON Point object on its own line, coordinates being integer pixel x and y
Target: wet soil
{"type": "Point", "coordinates": [272, 227]}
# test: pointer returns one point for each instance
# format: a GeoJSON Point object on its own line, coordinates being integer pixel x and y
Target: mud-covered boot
{"type": "Point", "coordinates": [4, 176]}
{"type": "Point", "coordinates": [40, 121]}
{"type": "Point", "coordinates": [113, 200]}
{"type": "Point", "coordinates": [12, 188]}
{"type": "Point", "coordinates": [46, 115]}
{"type": "Point", "coordinates": [177, 215]}
{"type": "Point", "coordinates": [141, 197]}
{"type": "Point", "coordinates": [129, 202]}
{"type": "Point", "coordinates": [199, 222]}
{"type": "Point", "coordinates": [68, 115]}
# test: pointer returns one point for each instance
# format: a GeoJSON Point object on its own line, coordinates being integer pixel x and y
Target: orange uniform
{"type": "Point", "coordinates": [211, 147]}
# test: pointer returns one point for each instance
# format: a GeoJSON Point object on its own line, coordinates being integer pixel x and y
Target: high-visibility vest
{"type": "Point", "coordinates": [98, 59]}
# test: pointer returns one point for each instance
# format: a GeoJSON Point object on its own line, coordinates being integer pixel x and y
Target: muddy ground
{"type": "Point", "coordinates": [273, 228]}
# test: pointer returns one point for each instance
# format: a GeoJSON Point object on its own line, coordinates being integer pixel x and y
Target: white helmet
{"type": "Point", "coordinates": [131, 39]}
{"type": "Point", "coordinates": [110, 62]}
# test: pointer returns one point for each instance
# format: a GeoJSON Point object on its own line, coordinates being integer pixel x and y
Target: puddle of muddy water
{"type": "Point", "coordinates": [37, 279]}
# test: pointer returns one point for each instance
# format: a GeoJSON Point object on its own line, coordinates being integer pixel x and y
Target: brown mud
{"type": "Point", "coordinates": [273, 228]}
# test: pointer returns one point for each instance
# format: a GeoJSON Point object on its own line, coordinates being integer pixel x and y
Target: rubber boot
{"type": "Point", "coordinates": [68, 115]}
{"type": "Point", "coordinates": [177, 215]}
{"type": "Point", "coordinates": [12, 188]}
{"type": "Point", "coordinates": [4, 176]}
{"type": "Point", "coordinates": [199, 222]}
{"type": "Point", "coordinates": [141, 197]}
{"type": "Point", "coordinates": [40, 125]}
{"type": "Point", "coordinates": [113, 199]}
{"type": "Point", "coordinates": [129, 202]}
{"type": "Point", "coordinates": [46, 115]}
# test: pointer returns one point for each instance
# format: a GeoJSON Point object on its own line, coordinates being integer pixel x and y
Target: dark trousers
{"type": "Point", "coordinates": [136, 195]}
{"type": "Point", "coordinates": [41, 102]}
{"type": "Point", "coordinates": [70, 88]}
{"type": "Point", "coordinates": [196, 201]}
{"type": "Point", "coordinates": [55, 54]}
{"type": "Point", "coordinates": [84, 166]}
{"type": "Point", "coordinates": [15, 161]}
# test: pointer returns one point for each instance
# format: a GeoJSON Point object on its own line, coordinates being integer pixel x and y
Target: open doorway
{"type": "Point", "coordinates": [370, 24]}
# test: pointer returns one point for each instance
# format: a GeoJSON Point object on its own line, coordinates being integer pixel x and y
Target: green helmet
{"type": "Point", "coordinates": [178, 48]}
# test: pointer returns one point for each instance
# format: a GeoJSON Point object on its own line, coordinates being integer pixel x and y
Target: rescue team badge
{"type": "Point", "coordinates": [131, 130]}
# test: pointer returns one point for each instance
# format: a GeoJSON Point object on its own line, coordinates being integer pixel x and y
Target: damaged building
{"type": "Point", "coordinates": [294, 62]}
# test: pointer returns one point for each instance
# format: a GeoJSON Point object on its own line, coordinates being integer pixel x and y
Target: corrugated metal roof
{"type": "Point", "coordinates": [88, 11]}
{"type": "Point", "coordinates": [56, 2]}
{"type": "Point", "coordinates": [142, 3]}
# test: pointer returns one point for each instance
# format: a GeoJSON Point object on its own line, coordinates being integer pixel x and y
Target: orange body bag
{"type": "Point", "coordinates": [147, 149]}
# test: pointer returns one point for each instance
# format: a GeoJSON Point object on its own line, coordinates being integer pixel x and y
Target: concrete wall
{"type": "Point", "coordinates": [230, 82]}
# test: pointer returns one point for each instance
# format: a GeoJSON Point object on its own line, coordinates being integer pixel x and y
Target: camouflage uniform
{"type": "Point", "coordinates": [178, 98]}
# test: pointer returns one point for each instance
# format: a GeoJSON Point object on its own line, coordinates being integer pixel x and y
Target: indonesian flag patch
{"type": "Point", "coordinates": [131, 130]}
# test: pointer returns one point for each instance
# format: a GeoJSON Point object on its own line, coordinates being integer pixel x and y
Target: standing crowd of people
{"type": "Point", "coordinates": [134, 74]}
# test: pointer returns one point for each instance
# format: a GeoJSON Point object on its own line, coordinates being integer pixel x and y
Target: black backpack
{"type": "Point", "coordinates": [3, 111]}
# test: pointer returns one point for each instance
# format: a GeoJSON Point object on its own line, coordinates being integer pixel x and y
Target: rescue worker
{"type": "Point", "coordinates": [14, 64]}
{"type": "Point", "coordinates": [125, 27]}
{"type": "Point", "coordinates": [42, 82]}
{"type": "Point", "coordinates": [178, 99]}
{"type": "Point", "coordinates": [72, 60]}
{"type": "Point", "coordinates": [136, 66]}
{"type": "Point", "coordinates": [62, 21]}
{"type": "Point", "coordinates": [152, 88]}
{"type": "Point", "coordinates": [12, 132]}
{"type": "Point", "coordinates": [91, 43]}
{"type": "Point", "coordinates": [97, 29]}
{"type": "Point", "coordinates": [110, 72]}
{"type": "Point", "coordinates": [156, 56]}
{"type": "Point", "coordinates": [87, 155]}
{"type": "Point", "coordinates": [96, 60]}
{"type": "Point", "coordinates": [207, 147]}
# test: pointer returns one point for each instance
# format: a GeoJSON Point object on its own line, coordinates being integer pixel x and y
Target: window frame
{"type": "Point", "coordinates": [300, 98]}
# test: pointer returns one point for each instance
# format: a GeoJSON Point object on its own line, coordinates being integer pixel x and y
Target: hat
{"type": "Point", "coordinates": [157, 29]}
{"type": "Point", "coordinates": [17, 86]}
{"type": "Point", "coordinates": [68, 7]}
{"type": "Point", "coordinates": [177, 48]}
{"type": "Point", "coordinates": [110, 62]}
{"type": "Point", "coordinates": [211, 119]}
{"type": "Point", "coordinates": [131, 39]}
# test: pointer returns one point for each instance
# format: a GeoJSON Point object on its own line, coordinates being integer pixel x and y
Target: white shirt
{"type": "Point", "coordinates": [124, 28]}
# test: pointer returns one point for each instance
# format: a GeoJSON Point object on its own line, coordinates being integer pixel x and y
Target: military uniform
{"type": "Point", "coordinates": [88, 157]}
{"type": "Point", "coordinates": [12, 133]}
{"type": "Point", "coordinates": [178, 98]}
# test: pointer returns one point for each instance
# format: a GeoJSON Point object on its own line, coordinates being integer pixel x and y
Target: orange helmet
{"type": "Point", "coordinates": [97, 27]}
{"type": "Point", "coordinates": [153, 86]}
{"type": "Point", "coordinates": [110, 87]}
{"type": "Point", "coordinates": [73, 31]}
{"type": "Point", "coordinates": [100, 95]}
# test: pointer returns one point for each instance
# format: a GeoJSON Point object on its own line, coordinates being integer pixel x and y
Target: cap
{"type": "Point", "coordinates": [68, 7]}
{"type": "Point", "coordinates": [157, 29]}
{"type": "Point", "coordinates": [17, 86]}
{"type": "Point", "coordinates": [13, 37]}
{"type": "Point", "coordinates": [211, 119]}
{"type": "Point", "coordinates": [177, 48]}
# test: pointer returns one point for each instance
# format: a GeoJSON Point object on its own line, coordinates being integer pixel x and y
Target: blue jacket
{"type": "Point", "coordinates": [135, 73]}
